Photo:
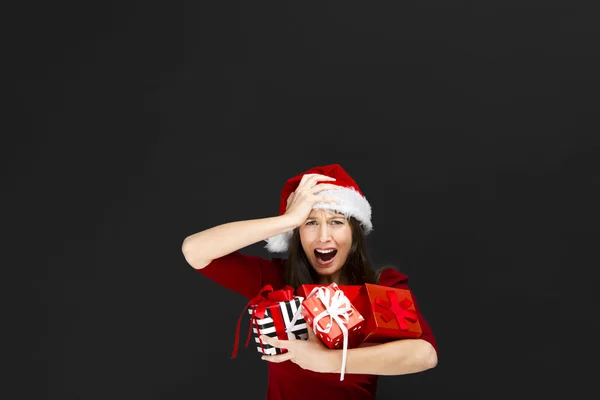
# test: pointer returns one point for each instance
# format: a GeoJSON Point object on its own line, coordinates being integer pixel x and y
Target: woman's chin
{"type": "Point", "coordinates": [327, 269]}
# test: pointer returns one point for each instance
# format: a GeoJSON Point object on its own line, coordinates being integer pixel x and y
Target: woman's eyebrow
{"type": "Point", "coordinates": [328, 218]}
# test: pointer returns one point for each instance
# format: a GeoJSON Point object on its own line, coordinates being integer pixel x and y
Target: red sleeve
{"type": "Point", "coordinates": [245, 274]}
{"type": "Point", "coordinates": [394, 278]}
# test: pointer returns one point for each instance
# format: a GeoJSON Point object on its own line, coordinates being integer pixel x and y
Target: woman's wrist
{"type": "Point", "coordinates": [289, 222]}
{"type": "Point", "coordinates": [335, 360]}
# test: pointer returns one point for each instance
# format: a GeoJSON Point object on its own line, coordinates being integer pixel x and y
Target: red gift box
{"type": "Point", "coordinates": [333, 318]}
{"type": "Point", "coordinates": [351, 291]}
{"type": "Point", "coordinates": [389, 313]}
{"type": "Point", "coordinates": [329, 329]}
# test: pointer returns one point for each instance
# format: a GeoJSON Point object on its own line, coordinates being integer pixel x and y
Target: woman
{"type": "Point", "coordinates": [322, 223]}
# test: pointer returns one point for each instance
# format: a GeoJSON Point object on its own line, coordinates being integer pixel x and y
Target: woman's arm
{"type": "Point", "coordinates": [201, 248]}
{"type": "Point", "coordinates": [405, 356]}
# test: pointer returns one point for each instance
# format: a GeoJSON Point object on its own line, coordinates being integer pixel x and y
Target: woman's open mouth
{"type": "Point", "coordinates": [325, 256]}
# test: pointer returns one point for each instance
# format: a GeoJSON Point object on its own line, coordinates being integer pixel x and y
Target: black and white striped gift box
{"type": "Point", "coordinates": [266, 326]}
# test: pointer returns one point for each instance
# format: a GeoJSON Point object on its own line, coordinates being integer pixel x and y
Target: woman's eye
{"type": "Point", "coordinates": [335, 222]}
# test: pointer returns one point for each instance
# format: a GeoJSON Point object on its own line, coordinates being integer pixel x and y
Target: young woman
{"type": "Point", "coordinates": [322, 225]}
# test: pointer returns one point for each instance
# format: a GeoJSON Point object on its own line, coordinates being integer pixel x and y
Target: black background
{"type": "Point", "coordinates": [471, 127]}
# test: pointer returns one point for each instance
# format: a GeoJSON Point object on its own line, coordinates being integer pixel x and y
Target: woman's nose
{"type": "Point", "coordinates": [324, 234]}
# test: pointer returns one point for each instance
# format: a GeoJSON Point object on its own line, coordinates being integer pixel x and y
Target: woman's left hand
{"type": "Point", "coordinates": [309, 354]}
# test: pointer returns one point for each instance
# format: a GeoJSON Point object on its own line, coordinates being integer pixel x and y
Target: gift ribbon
{"type": "Point", "coordinates": [338, 308]}
{"type": "Point", "coordinates": [399, 309]}
{"type": "Point", "coordinates": [259, 303]}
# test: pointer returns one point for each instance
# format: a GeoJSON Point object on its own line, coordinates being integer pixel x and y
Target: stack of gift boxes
{"type": "Point", "coordinates": [343, 317]}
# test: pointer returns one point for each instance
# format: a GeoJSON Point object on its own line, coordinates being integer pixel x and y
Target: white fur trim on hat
{"type": "Point", "coordinates": [350, 203]}
{"type": "Point", "coordinates": [279, 243]}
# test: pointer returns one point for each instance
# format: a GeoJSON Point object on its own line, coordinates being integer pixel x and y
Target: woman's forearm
{"type": "Point", "coordinates": [399, 357]}
{"type": "Point", "coordinates": [201, 248]}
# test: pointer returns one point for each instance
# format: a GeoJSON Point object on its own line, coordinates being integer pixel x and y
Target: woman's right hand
{"type": "Point", "coordinates": [301, 201]}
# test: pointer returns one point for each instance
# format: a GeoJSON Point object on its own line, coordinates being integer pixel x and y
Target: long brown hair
{"type": "Point", "coordinates": [355, 271]}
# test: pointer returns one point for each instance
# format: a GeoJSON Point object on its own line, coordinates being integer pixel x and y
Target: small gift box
{"type": "Point", "coordinates": [271, 313]}
{"type": "Point", "coordinates": [333, 318]}
{"type": "Point", "coordinates": [389, 312]}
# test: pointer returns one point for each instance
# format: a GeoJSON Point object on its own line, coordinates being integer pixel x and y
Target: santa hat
{"type": "Point", "coordinates": [351, 202]}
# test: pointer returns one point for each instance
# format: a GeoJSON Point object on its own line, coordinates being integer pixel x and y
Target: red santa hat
{"type": "Point", "coordinates": [351, 202]}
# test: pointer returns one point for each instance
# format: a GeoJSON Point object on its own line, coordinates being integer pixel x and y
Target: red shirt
{"type": "Point", "coordinates": [246, 275]}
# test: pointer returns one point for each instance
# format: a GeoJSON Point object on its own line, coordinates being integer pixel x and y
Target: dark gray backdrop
{"type": "Point", "coordinates": [470, 127]}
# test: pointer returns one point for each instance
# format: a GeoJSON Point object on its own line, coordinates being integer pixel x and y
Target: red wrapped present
{"type": "Point", "coordinates": [333, 318]}
{"type": "Point", "coordinates": [351, 291]}
{"type": "Point", "coordinates": [389, 312]}
{"type": "Point", "coordinates": [271, 313]}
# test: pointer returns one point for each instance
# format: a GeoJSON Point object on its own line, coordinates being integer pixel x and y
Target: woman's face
{"type": "Point", "coordinates": [326, 238]}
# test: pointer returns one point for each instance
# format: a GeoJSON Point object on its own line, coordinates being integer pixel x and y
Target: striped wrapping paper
{"type": "Point", "coordinates": [275, 322]}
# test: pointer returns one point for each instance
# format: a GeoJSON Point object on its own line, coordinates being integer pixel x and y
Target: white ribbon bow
{"type": "Point", "coordinates": [338, 308]}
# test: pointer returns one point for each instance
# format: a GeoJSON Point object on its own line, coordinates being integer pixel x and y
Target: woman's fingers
{"type": "Point", "coordinates": [275, 342]}
{"type": "Point", "coordinates": [305, 177]}
{"type": "Point", "coordinates": [311, 180]}
{"type": "Point", "coordinates": [306, 194]}
{"type": "Point", "coordinates": [324, 186]}
{"type": "Point", "coordinates": [290, 198]}
{"type": "Point", "coordinates": [279, 357]}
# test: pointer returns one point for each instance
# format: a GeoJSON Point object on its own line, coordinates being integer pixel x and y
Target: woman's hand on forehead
{"type": "Point", "coordinates": [300, 202]}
